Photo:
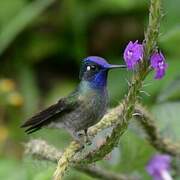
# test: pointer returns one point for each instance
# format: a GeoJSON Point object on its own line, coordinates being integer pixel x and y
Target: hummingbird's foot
{"type": "Point", "coordinates": [87, 139]}
{"type": "Point", "coordinates": [82, 137]}
{"type": "Point", "coordinates": [79, 136]}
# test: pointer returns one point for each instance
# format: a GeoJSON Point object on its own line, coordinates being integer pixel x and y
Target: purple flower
{"type": "Point", "coordinates": [133, 54]}
{"type": "Point", "coordinates": [159, 166]}
{"type": "Point", "coordinates": [158, 64]}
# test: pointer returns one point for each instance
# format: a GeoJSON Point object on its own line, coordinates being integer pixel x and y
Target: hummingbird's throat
{"type": "Point", "coordinates": [99, 80]}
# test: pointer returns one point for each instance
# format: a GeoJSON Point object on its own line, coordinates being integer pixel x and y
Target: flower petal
{"type": "Point", "coordinates": [158, 165]}
{"type": "Point", "coordinates": [158, 63]}
{"type": "Point", "coordinates": [133, 53]}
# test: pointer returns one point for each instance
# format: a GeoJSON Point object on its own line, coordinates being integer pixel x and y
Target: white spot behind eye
{"type": "Point", "coordinates": [88, 68]}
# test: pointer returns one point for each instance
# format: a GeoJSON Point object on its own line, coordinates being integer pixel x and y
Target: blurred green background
{"type": "Point", "coordinates": [42, 43]}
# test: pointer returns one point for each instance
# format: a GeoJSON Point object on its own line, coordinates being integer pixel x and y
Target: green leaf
{"type": "Point", "coordinates": [171, 92]}
{"type": "Point", "coordinates": [20, 21]}
{"type": "Point", "coordinates": [119, 5]}
{"type": "Point", "coordinates": [170, 39]}
{"type": "Point", "coordinates": [168, 117]}
{"type": "Point", "coordinates": [172, 15]}
{"type": "Point", "coordinates": [154, 87]}
{"type": "Point", "coordinates": [9, 10]}
{"type": "Point", "coordinates": [135, 152]}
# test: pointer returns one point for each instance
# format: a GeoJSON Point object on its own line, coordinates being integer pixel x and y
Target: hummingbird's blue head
{"type": "Point", "coordinates": [95, 69]}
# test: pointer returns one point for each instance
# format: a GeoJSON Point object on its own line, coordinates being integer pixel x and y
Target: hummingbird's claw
{"type": "Point", "coordinates": [87, 139]}
{"type": "Point", "coordinates": [79, 136]}
{"type": "Point", "coordinates": [82, 137]}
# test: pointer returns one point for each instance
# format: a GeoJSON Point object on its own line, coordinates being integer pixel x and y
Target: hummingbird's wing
{"type": "Point", "coordinates": [45, 117]}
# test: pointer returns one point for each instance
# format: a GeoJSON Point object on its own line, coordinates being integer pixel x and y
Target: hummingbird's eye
{"type": "Point", "coordinates": [88, 68]}
{"type": "Point", "coordinates": [91, 68]}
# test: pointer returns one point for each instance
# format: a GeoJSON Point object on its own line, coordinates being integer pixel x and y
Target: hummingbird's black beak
{"type": "Point", "coordinates": [112, 66]}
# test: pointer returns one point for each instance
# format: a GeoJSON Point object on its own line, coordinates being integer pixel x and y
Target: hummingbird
{"type": "Point", "coordinates": [84, 107]}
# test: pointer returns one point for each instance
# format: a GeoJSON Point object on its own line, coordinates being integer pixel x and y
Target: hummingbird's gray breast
{"type": "Point", "coordinates": [92, 106]}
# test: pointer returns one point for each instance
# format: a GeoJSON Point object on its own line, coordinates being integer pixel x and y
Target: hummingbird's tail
{"type": "Point", "coordinates": [41, 119]}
